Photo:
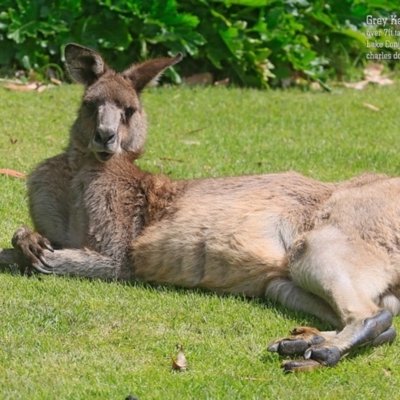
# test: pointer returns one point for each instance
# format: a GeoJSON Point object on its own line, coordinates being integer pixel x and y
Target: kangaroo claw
{"type": "Point", "coordinates": [328, 356]}
{"type": "Point", "coordinates": [386, 337]}
{"type": "Point", "coordinates": [325, 349]}
{"type": "Point", "coordinates": [372, 328]}
{"type": "Point", "coordinates": [300, 366]}
{"type": "Point", "coordinates": [47, 246]}
{"type": "Point", "coordinates": [44, 262]}
{"type": "Point", "coordinates": [29, 247]}
{"type": "Point", "coordinates": [38, 268]}
{"type": "Point", "coordinates": [289, 347]}
{"type": "Point", "coordinates": [302, 338]}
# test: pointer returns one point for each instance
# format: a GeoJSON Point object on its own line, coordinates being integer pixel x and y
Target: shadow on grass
{"type": "Point", "coordinates": [278, 311]}
{"type": "Point", "coordinates": [301, 318]}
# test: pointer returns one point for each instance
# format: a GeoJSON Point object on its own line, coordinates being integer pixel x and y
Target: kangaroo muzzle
{"type": "Point", "coordinates": [105, 141]}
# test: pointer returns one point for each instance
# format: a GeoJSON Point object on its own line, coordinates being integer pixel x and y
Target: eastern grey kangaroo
{"type": "Point", "coordinates": [329, 249]}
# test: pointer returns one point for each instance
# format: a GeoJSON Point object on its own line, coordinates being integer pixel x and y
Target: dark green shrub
{"type": "Point", "coordinates": [253, 42]}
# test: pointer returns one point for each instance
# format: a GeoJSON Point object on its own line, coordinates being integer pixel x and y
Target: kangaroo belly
{"type": "Point", "coordinates": [232, 239]}
{"type": "Point", "coordinates": [237, 258]}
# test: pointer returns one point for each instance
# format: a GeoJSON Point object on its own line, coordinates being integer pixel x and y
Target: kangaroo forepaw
{"type": "Point", "coordinates": [29, 248]}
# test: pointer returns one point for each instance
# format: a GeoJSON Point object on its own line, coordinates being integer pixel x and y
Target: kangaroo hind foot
{"type": "Point", "coordinates": [321, 349]}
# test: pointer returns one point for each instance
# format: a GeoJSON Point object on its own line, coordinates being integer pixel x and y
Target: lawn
{"type": "Point", "coordinates": [63, 338]}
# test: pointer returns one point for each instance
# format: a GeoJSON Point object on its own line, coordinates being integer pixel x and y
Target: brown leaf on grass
{"type": "Point", "coordinates": [371, 106]}
{"type": "Point", "coordinates": [356, 85]}
{"type": "Point", "coordinates": [222, 82]}
{"type": "Point", "coordinates": [22, 88]}
{"type": "Point", "coordinates": [387, 372]}
{"type": "Point", "coordinates": [30, 87]}
{"type": "Point", "coordinates": [56, 81]}
{"type": "Point", "coordinates": [13, 173]}
{"type": "Point", "coordinates": [372, 74]}
{"type": "Point", "coordinates": [202, 79]}
{"type": "Point", "coordinates": [373, 71]}
{"type": "Point", "coordinates": [170, 159]}
{"type": "Point", "coordinates": [250, 378]}
{"type": "Point", "coordinates": [315, 86]}
{"type": "Point", "coordinates": [180, 364]}
{"type": "Point", "coordinates": [191, 142]}
{"type": "Point", "coordinates": [41, 88]}
{"type": "Point", "coordinates": [190, 132]}
{"type": "Point", "coordinates": [12, 140]}
{"type": "Point", "coordinates": [8, 81]}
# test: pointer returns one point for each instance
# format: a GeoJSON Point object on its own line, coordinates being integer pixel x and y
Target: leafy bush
{"type": "Point", "coordinates": [253, 42]}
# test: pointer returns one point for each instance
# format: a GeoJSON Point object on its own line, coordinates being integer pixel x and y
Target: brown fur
{"type": "Point", "coordinates": [328, 249]}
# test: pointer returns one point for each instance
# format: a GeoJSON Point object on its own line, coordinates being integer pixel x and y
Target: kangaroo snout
{"type": "Point", "coordinates": [104, 138]}
{"type": "Point", "coordinates": [104, 144]}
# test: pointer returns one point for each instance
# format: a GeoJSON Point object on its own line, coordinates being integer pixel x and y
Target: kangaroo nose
{"type": "Point", "coordinates": [103, 138]}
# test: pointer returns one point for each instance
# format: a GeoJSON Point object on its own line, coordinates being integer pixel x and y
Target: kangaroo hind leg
{"type": "Point", "coordinates": [350, 276]}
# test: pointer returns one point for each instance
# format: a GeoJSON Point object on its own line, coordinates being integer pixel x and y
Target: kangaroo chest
{"type": "Point", "coordinates": [106, 210]}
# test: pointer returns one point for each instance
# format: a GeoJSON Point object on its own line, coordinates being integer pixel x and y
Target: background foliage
{"type": "Point", "coordinates": [253, 42]}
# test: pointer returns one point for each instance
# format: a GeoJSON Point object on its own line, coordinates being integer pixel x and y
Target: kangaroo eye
{"type": "Point", "coordinates": [129, 112]}
{"type": "Point", "coordinates": [90, 106]}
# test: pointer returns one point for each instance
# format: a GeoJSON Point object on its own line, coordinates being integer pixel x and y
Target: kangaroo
{"type": "Point", "coordinates": [329, 249]}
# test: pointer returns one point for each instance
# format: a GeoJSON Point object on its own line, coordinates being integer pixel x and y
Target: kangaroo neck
{"type": "Point", "coordinates": [76, 158]}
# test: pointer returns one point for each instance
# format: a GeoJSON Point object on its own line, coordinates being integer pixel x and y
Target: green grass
{"type": "Point", "coordinates": [66, 338]}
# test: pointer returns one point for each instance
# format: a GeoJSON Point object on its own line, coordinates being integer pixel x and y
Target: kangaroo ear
{"type": "Point", "coordinates": [147, 73]}
{"type": "Point", "coordinates": [84, 65]}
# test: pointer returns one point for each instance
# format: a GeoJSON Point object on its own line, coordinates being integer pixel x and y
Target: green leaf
{"type": "Point", "coordinates": [26, 62]}
{"type": "Point", "coordinates": [274, 17]}
{"type": "Point", "coordinates": [7, 51]}
{"type": "Point", "coordinates": [324, 18]}
{"type": "Point", "coordinates": [360, 37]}
{"type": "Point", "coordinates": [249, 3]}
{"type": "Point", "coordinates": [173, 75]}
{"type": "Point", "coordinates": [221, 17]}
{"type": "Point", "coordinates": [215, 57]}
{"type": "Point", "coordinates": [384, 4]}
{"type": "Point", "coordinates": [230, 38]}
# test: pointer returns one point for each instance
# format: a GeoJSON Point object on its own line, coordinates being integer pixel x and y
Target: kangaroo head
{"type": "Point", "coordinates": [111, 119]}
